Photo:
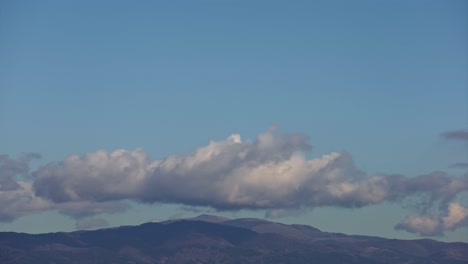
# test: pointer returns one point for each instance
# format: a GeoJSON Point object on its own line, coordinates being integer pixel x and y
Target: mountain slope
{"type": "Point", "coordinates": [209, 239]}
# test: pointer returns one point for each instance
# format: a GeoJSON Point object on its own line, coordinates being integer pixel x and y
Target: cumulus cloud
{"type": "Point", "coordinates": [268, 173]}
{"type": "Point", "coordinates": [91, 223]}
{"type": "Point", "coordinates": [11, 168]}
{"type": "Point", "coordinates": [435, 225]}
{"type": "Point", "coordinates": [95, 176]}
{"type": "Point", "coordinates": [21, 201]}
{"type": "Point", "coordinates": [17, 197]}
{"type": "Point", "coordinates": [272, 172]}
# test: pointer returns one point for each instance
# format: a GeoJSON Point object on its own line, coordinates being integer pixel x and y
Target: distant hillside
{"type": "Point", "coordinates": [212, 239]}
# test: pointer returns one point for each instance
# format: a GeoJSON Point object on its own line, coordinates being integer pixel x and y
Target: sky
{"type": "Point", "coordinates": [350, 116]}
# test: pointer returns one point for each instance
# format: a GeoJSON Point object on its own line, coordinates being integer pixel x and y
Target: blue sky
{"type": "Point", "coordinates": [379, 80]}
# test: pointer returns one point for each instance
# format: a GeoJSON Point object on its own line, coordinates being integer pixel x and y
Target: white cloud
{"type": "Point", "coordinates": [435, 225]}
{"type": "Point", "coordinates": [272, 172]}
{"type": "Point", "coordinates": [457, 216]}
{"type": "Point", "coordinates": [424, 225]}
{"type": "Point", "coordinates": [21, 201]}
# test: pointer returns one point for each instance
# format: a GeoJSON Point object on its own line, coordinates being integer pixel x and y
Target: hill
{"type": "Point", "coordinates": [212, 239]}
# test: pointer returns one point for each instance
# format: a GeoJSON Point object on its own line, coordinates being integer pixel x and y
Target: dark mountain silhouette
{"type": "Point", "coordinates": [212, 239]}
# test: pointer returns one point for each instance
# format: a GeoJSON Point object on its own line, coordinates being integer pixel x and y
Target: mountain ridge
{"type": "Point", "coordinates": [213, 239]}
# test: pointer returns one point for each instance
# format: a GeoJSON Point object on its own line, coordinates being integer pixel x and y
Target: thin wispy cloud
{"type": "Point", "coordinates": [272, 173]}
{"type": "Point", "coordinates": [91, 223]}
{"type": "Point", "coordinates": [456, 135]}
{"type": "Point", "coordinates": [460, 165]}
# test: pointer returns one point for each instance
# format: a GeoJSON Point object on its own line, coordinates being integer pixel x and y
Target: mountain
{"type": "Point", "coordinates": [213, 239]}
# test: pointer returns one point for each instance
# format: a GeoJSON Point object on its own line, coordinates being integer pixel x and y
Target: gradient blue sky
{"type": "Point", "coordinates": [378, 79]}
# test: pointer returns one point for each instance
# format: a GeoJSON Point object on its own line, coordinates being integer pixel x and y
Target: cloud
{"type": "Point", "coordinates": [435, 225]}
{"type": "Point", "coordinates": [456, 135]}
{"type": "Point", "coordinates": [24, 201]}
{"type": "Point", "coordinates": [17, 197]}
{"type": "Point", "coordinates": [95, 176]}
{"type": "Point", "coordinates": [424, 225]}
{"type": "Point", "coordinates": [11, 168]}
{"type": "Point", "coordinates": [457, 216]}
{"type": "Point", "coordinates": [268, 173]}
{"type": "Point", "coordinates": [80, 209]}
{"type": "Point", "coordinates": [91, 223]}
{"type": "Point", "coordinates": [460, 165]}
{"type": "Point", "coordinates": [272, 173]}
{"type": "Point", "coordinates": [279, 213]}
{"type": "Point", "coordinates": [21, 201]}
